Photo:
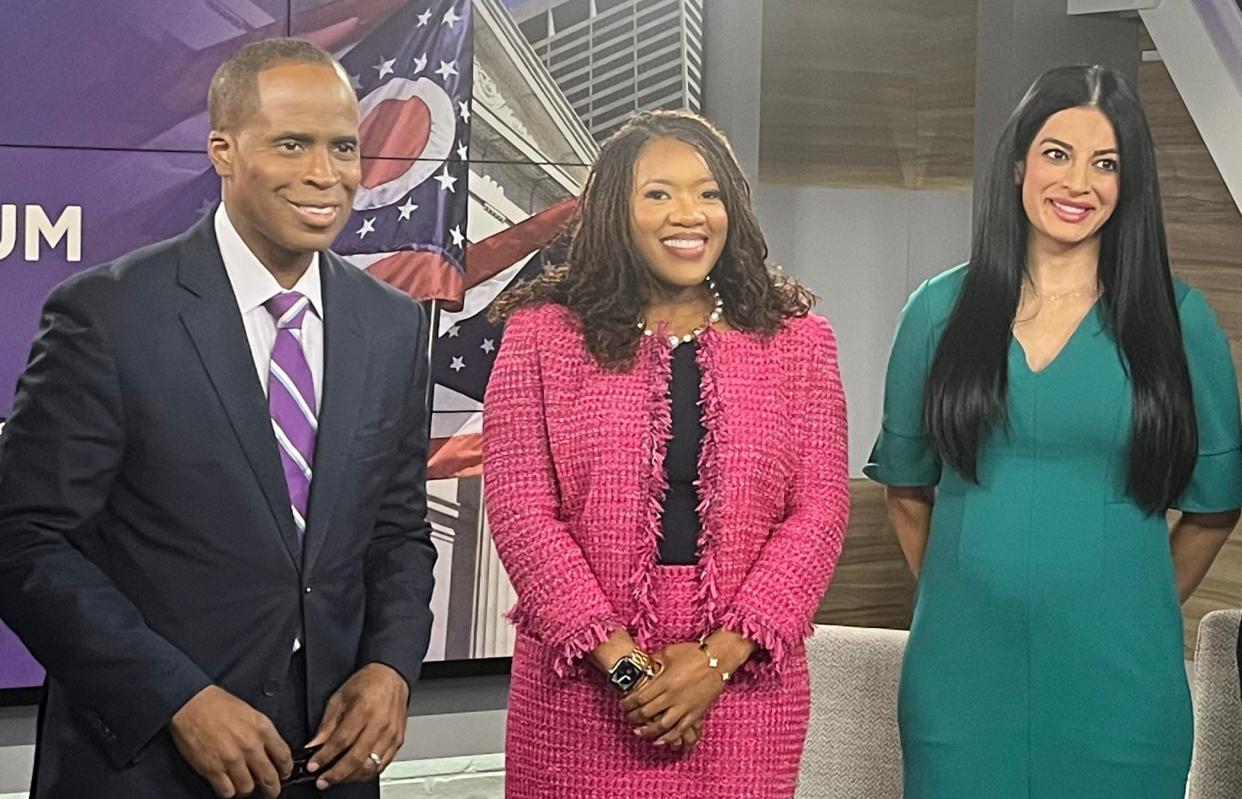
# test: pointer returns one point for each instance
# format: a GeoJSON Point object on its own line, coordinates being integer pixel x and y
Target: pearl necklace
{"type": "Point", "coordinates": [712, 318]}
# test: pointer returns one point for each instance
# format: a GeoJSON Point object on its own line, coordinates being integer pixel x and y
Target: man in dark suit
{"type": "Point", "coordinates": [212, 500]}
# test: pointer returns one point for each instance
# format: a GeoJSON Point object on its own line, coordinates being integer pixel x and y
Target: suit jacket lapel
{"type": "Point", "coordinates": [215, 326]}
{"type": "Point", "coordinates": [344, 368]}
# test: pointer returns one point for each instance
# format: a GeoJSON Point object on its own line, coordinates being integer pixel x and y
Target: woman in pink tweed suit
{"type": "Point", "coordinates": [666, 471]}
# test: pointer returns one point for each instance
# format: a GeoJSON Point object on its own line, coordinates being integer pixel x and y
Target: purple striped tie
{"type": "Point", "coordinates": [291, 399]}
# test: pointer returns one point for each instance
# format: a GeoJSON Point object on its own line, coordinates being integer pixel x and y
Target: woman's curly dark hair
{"type": "Point", "coordinates": [605, 282]}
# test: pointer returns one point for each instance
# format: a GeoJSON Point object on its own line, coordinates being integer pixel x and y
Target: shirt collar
{"type": "Point", "coordinates": [252, 284]}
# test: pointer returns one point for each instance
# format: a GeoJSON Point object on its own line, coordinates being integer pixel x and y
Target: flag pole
{"type": "Point", "coordinates": [432, 307]}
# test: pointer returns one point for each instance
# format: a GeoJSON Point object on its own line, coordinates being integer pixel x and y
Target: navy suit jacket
{"type": "Point", "coordinates": [147, 548]}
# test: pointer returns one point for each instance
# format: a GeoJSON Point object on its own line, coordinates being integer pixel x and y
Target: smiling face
{"type": "Point", "coordinates": [291, 168]}
{"type": "Point", "coordinates": [678, 221]}
{"type": "Point", "coordinates": [1070, 179]}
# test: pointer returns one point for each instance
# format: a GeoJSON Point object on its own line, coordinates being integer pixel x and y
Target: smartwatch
{"type": "Point", "coordinates": [629, 671]}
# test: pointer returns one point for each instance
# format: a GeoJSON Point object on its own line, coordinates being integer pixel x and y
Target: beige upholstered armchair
{"type": "Point", "coordinates": [852, 750]}
{"type": "Point", "coordinates": [1216, 771]}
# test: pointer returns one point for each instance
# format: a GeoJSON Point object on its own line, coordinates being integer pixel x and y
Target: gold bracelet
{"type": "Point", "coordinates": [642, 659]}
{"type": "Point", "coordinates": [713, 662]}
{"type": "Point", "coordinates": [637, 660]}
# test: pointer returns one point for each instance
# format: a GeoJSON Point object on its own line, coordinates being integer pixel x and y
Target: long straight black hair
{"type": "Point", "coordinates": [965, 400]}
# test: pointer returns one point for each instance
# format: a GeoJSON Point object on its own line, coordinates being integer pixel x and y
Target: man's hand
{"type": "Point", "coordinates": [670, 707]}
{"type": "Point", "coordinates": [366, 715]}
{"type": "Point", "coordinates": [233, 746]}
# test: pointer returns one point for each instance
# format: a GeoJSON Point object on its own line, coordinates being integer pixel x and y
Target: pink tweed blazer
{"type": "Point", "coordinates": [573, 459]}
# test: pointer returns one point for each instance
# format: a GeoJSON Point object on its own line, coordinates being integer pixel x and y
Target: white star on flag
{"type": "Point", "coordinates": [465, 111]}
{"type": "Point", "coordinates": [454, 331]}
{"type": "Point", "coordinates": [424, 18]}
{"type": "Point", "coordinates": [368, 226]}
{"type": "Point", "coordinates": [356, 82]}
{"type": "Point", "coordinates": [446, 181]}
{"type": "Point", "coordinates": [420, 63]}
{"type": "Point", "coordinates": [461, 152]}
{"type": "Point", "coordinates": [450, 18]}
{"type": "Point", "coordinates": [446, 69]}
{"type": "Point", "coordinates": [404, 211]}
{"type": "Point", "coordinates": [458, 364]}
{"type": "Point", "coordinates": [458, 239]}
{"type": "Point", "coordinates": [385, 67]}
{"type": "Point", "coordinates": [488, 345]}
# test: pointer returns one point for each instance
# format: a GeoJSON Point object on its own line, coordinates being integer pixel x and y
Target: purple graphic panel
{"type": "Point", "coordinates": [120, 73]}
{"type": "Point", "coordinates": [95, 205]}
{"type": "Point", "coordinates": [17, 668]}
{"type": "Point", "coordinates": [1223, 21]}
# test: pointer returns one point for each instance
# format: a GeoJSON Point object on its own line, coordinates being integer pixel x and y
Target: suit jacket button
{"type": "Point", "coordinates": [271, 687]}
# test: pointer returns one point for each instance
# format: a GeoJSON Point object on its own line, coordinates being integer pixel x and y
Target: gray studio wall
{"type": "Point", "coordinates": [861, 250]}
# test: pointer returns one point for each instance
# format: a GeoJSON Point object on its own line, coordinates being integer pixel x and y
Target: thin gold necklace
{"type": "Point", "coordinates": [1093, 289]}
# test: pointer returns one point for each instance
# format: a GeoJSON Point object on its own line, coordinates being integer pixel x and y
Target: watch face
{"type": "Point", "coordinates": [625, 675]}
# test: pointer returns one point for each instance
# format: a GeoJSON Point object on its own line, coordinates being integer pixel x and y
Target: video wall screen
{"type": "Point", "coordinates": [480, 120]}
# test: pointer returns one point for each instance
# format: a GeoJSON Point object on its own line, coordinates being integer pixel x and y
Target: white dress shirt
{"type": "Point", "coordinates": [253, 285]}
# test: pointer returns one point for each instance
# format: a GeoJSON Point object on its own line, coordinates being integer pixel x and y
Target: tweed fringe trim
{"type": "Point", "coordinates": [654, 489]}
{"type": "Point", "coordinates": [570, 650]}
{"type": "Point", "coordinates": [710, 484]}
{"type": "Point", "coordinates": [771, 658]}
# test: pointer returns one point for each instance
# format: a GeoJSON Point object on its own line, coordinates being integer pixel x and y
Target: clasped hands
{"type": "Point", "coordinates": [238, 751]}
{"type": "Point", "coordinates": [669, 707]}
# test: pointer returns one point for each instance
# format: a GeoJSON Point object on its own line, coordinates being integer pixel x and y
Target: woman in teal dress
{"type": "Point", "coordinates": [1045, 405]}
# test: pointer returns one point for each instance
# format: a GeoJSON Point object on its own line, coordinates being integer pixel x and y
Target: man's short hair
{"type": "Point", "coordinates": [234, 92]}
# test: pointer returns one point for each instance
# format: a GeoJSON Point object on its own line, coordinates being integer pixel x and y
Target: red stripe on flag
{"type": "Point", "coordinates": [487, 258]}
{"type": "Point", "coordinates": [455, 456]}
{"type": "Point", "coordinates": [400, 129]}
{"type": "Point", "coordinates": [422, 275]}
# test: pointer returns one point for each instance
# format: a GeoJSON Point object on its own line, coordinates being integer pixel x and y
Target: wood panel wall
{"type": "Point", "coordinates": [872, 586]}
{"type": "Point", "coordinates": [868, 93]}
{"type": "Point", "coordinates": [1205, 246]}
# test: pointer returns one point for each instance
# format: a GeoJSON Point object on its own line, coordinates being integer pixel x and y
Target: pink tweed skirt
{"type": "Point", "coordinates": [568, 739]}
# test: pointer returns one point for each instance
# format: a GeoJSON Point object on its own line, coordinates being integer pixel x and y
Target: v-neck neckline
{"type": "Point", "coordinates": [1065, 346]}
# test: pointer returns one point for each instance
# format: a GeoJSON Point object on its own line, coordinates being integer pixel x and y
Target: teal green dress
{"type": "Point", "coordinates": [1045, 653]}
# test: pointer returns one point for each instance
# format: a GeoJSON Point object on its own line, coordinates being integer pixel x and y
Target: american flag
{"type": "Point", "coordinates": [414, 77]}
{"type": "Point", "coordinates": [463, 355]}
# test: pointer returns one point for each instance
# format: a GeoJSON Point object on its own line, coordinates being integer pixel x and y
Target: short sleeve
{"type": "Point", "coordinates": [902, 455]}
{"type": "Point", "coordinates": [1216, 484]}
